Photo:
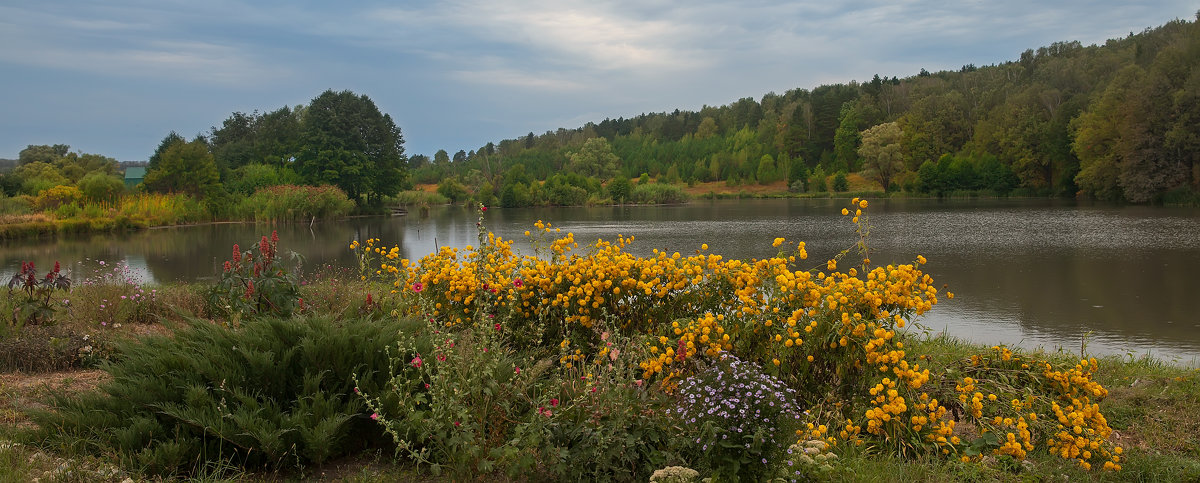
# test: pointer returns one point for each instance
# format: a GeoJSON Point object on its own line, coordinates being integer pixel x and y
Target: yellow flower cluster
{"type": "Point", "coordinates": [1070, 424]}
{"type": "Point", "coordinates": [831, 332]}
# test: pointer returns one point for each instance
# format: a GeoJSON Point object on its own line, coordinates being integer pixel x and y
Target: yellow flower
{"type": "Point", "coordinates": [845, 212]}
{"type": "Point", "coordinates": [862, 204]}
{"type": "Point", "coordinates": [704, 246]}
{"type": "Point", "coordinates": [777, 242]}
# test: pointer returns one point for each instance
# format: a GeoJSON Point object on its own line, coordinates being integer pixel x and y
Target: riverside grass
{"type": "Point", "coordinates": [603, 364]}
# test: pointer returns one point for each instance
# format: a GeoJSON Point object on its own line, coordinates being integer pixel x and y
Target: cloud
{"type": "Point", "coordinates": [516, 78]}
{"type": "Point", "coordinates": [129, 49]}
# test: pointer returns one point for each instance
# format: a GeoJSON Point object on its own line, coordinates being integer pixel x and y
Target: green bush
{"type": "Point", "coordinates": [98, 186]}
{"type": "Point", "coordinates": [274, 392]}
{"type": "Point", "coordinates": [657, 194]}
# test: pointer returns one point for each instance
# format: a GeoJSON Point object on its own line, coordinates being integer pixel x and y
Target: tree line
{"type": "Point", "coordinates": [339, 139]}
{"type": "Point", "coordinates": [1117, 121]}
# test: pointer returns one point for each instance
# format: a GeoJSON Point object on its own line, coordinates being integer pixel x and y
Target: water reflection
{"type": "Point", "coordinates": [1028, 272]}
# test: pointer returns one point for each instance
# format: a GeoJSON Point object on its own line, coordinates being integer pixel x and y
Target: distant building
{"type": "Point", "coordinates": [134, 175]}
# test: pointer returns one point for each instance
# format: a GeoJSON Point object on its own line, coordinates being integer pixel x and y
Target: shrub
{"type": "Point", "coordinates": [840, 183]}
{"type": "Point", "coordinates": [57, 196]}
{"type": "Point", "coordinates": [98, 186]}
{"type": "Point", "coordinates": [274, 392]}
{"type": "Point", "coordinates": [657, 194]}
{"type": "Point", "coordinates": [29, 296]}
{"type": "Point", "coordinates": [253, 286]}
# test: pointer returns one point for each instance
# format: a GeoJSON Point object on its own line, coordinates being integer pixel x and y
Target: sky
{"type": "Point", "coordinates": [114, 77]}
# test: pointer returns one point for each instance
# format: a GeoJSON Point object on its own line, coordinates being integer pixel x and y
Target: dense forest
{"type": "Point", "coordinates": [1119, 121]}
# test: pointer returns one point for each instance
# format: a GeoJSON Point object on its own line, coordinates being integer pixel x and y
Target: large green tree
{"type": "Point", "coordinates": [595, 159]}
{"type": "Point", "coordinates": [42, 153]}
{"type": "Point", "coordinates": [882, 152]}
{"type": "Point", "coordinates": [349, 143]}
{"type": "Point", "coordinates": [184, 168]}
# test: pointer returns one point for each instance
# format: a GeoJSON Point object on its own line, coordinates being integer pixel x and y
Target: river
{"type": "Point", "coordinates": [1030, 273]}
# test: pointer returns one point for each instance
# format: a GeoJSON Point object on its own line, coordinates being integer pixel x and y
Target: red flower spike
{"type": "Point", "coordinates": [237, 254]}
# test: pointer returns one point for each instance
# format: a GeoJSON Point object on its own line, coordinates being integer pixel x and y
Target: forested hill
{"type": "Point", "coordinates": [1119, 121]}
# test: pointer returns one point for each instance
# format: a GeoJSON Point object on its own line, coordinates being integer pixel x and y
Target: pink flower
{"type": "Point", "coordinates": [614, 353]}
{"type": "Point", "coordinates": [427, 385]}
{"type": "Point", "coordinates": [417, 287]}
{"type": "Point", "coordinates": [604, 336]}
{"type": "Point", "coordinates": [518, 283]}
{"type": "Point", "coordinates": [441, 357]}
{"type": "Point", "coordinates": [482, 208]}
{"type": "Point", "coordinates": [497, 326]}
{"type": "Point", "coordinates": [554, 402]}
{"type": "Point", "coordinates": [356, 390]}
{"type": "Point", "coordinates": [416, 361]}
{"type": "Point", "coordinates": [517, 370]}
{"type": "Point", "coordinates": [457, 424]}
{"type": "Point", "coordinates": [375, 416]}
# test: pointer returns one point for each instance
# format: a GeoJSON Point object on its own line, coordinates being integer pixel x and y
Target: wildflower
{"type": "Point", "coordinates": [516, 370]}
{"type": "Point", "coordinates": [237, 254]}
{"type": "Point", "coordinates": [777, 242]}
{"type": "Point", "coordinates": [418, 287]}
{"type": "Point", "coordinates": [457, 424]}
{"type": "Point", "coordinates": [497, 326]}
{"type": "Point", "coordinates": [518, 283]}
{"type": "Point", "coordinates": [375, 416]}
{"type": "Point", "coordinates": [845, 212]}
{"type": "Point", "coordinates": [482, 208]}
{"type": "Point", "coordinates": [554, 402]}
{"type": "Point", "coordinates": [416, 362]}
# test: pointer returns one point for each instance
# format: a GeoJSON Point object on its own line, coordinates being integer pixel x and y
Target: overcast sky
{"type": "Point", "coordinates": [114, 77]}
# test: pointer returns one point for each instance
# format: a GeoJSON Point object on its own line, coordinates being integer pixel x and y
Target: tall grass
{"type": "Point", "coordinates": [154, 209]}
{"type": "Point", "coordinates": [295, 203]}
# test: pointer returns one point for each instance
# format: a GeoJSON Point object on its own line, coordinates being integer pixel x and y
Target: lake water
{"type": "Point", "coordinates": [1032, 273]}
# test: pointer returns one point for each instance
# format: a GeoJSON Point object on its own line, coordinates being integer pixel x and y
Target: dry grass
{"type": "Point", "coordinates": [21, 392]}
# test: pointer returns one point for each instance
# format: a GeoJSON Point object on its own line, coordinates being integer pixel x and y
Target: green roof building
{"type": "Point", "coordinates": [134, 175]}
